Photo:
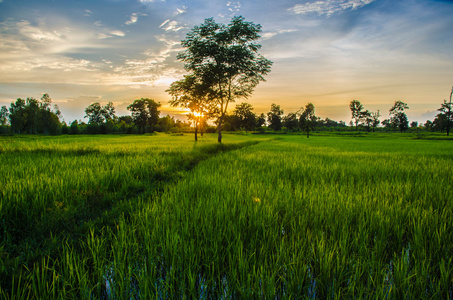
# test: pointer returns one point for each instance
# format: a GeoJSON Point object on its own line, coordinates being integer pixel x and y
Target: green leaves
{"type": "Point", "coordinates": [224, 59]}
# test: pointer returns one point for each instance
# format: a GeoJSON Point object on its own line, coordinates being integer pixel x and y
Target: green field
{"type": "Point", "coordinates": [257, 217]}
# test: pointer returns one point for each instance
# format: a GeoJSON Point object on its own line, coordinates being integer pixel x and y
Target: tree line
{"type": "Point", "coordinates": [224, 65]}
{"type": "Point", "coordinates": [32, 116]}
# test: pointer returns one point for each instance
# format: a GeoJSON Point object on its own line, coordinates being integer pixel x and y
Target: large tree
{"type": "Point", "coordinates": [225, 59]}
{"type": "Point", "coordinates": [398, 117]}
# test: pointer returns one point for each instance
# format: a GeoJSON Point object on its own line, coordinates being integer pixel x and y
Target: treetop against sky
{"type": "Point", "coordinates": [327, 52]}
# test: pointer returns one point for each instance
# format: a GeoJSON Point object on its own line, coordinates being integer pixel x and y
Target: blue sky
{"type": "Point", "coordinates": [327, 52]}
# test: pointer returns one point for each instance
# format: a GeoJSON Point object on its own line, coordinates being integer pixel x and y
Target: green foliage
{"type": "Point", "coordinates": [245, 116]}
{"type": "Point", "coordinates": [356, 110]}
{"type": "Point", "coordinates": [33, 116]}
{"type": "Point", "coordinates": [308, 118]}
{"type": "Point", "coordinates": [145, 114]}
{"type": "Point", "coordinates": [274, 117]}
{"type": "Point", "coordinates": [225, 60]}
{"type": "Point", "coordinates": [398, 117]}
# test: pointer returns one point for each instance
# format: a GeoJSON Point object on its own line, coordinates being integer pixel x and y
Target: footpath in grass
{"type": "Point", "coordinates": [57, 190]}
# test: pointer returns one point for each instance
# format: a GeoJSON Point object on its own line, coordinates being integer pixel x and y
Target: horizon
{"type": "Point", "coordinates": [326, 52]}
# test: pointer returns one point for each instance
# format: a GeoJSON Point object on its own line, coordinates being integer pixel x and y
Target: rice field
{"type": "Point", "coordinates": [258, 217]}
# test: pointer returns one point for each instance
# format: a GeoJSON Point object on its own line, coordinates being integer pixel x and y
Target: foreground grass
{"type": "Point", "coordinates": [325, 217]}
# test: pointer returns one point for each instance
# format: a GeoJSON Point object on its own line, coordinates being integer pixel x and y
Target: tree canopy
{"type": "Point", "coordinates": [225, 59]}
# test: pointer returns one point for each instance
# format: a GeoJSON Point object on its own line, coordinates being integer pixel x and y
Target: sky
{"type": "Point", "coordinates": [328, 52]}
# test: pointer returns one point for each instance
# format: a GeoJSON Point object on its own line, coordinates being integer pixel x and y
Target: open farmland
{"type": "Point", "coordinates": [259, 216]}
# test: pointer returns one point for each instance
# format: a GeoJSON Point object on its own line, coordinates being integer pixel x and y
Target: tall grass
{"type": "Point", "coordinates": [325, 217]}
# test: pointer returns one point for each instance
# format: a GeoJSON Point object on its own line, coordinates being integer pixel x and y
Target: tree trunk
{"type": "Point", "coordinates": [219, 129]}
{"type": "Point", "coordinates": [196, 133]}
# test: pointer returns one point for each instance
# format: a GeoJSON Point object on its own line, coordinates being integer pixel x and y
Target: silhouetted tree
{"type": "Point", "coordinates": [261, 120]}
{"type": "Point", "coordinates": [94, 113]}
{"type": "Point", "coordinates": [274, 117]}
{"type": "Point", "coordinates": [74, 128]}
{"type": "Point", "coordinates": [366, 119]}
{"type": "Point", "coordinates": [108, 112]}
{"type": "Point", "coordinates": [428, 125]}
{"type": "Point", "coordinates": [291, 121]}
{"type": "Point", "coordinates": [145, 113]}
{"type": "Point", "coordinates": [32, 112]}
{"type": "Point", "coordinates": [245, 116]}
{"type": "Point", "coordinates": [193, 94]}
{"type": "Point", "coordinates": [375, 119]}
{"type": "Point", "coordinates": [356, 110]}
{"type": "Point", "coordinates": [398, 117]}
{"type": "Point", "coordinates": [446, 110]}
{"type": "Point", "coordinates": [307, 118]}
{"type": "Point", "coordinates": [17, 116]}
{"type": "Point", "coordinates": [226, 59]}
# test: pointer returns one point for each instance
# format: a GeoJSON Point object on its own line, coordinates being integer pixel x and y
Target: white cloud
{"type": "Point", "coordinates": [88, 13]}
{"type": "Point", "coordinates": [110, 34]}
{"type": "Point", "coordinates": [268, 35]}
{"type": "Point", "coordinates": [234, 6]}
{"type": "Point", "coordinates": [164, 23]}
{"type": "Point", "coordinates": [180, 11]}
{"type": "Point", "coordinates": [134, 18]}
{"type": "Point", "coordinates": [38, 34]}
{"type": "Point", "coordinates": [117, 33]}
{"type": "Point", "coordinates": [171, 26]}
{"type": "Point", "coordinates": [328, 7]}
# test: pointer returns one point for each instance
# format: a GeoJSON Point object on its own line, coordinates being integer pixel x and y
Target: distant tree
{"type": "Point", "coordinates": [375, 119]}
{"type": "Point", "coordinates": [46, 102]}
{"type": "Point", "coordinates": [366, 119]}
{"type": "Point", "coordinates": [145, 113]}
{"type": "Point", "coordinates": [225, 58]}
{"type": "Point", "coordinates": [386, 123]}
{"type": "Point", "coordinates": [261, 120]}
{"type": "Point", "coordinates": [291, 121]}
{"type": "Point", "coordinates": [245, 116]}
{"type": "Point", "coordinates": [126, 119]}
{"type": "Point", "coordinates": [428, 125]}
{"type": "Point", "coordinates": [18, 116]}
{"type": "Point", "coordinates": [108, 112]}
{"type": "Point", "coordinates": [193, 94]}
{"type": "Point", "coordinates": [356, 111]}
{"type": "Point", "coordinates": [446, 110]}
{"type": "Point", "coordinates": [398, 117]}
{"type": "Point", "coordinates": [440, 123]}
{"type": "Point", "coordinates": [32, 112]}
{"type": "Point", "coordinates": [308, 118]}
{"type": "Point", "coordinates": [274, 117]}
{"type": "Point", "coordinates": [414, 124]}
{"type": "Point", "coordinates": [4, 115]}
{"type": "Point", "coordinates": [74, 128]}
{"type": "Point", "coordinates": [166, 123]}
{"type": "Point", "coordinates": [95, 113]}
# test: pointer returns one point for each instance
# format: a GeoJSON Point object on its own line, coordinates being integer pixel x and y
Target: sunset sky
{"type": "Point", "coordinates": [327, 52]}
